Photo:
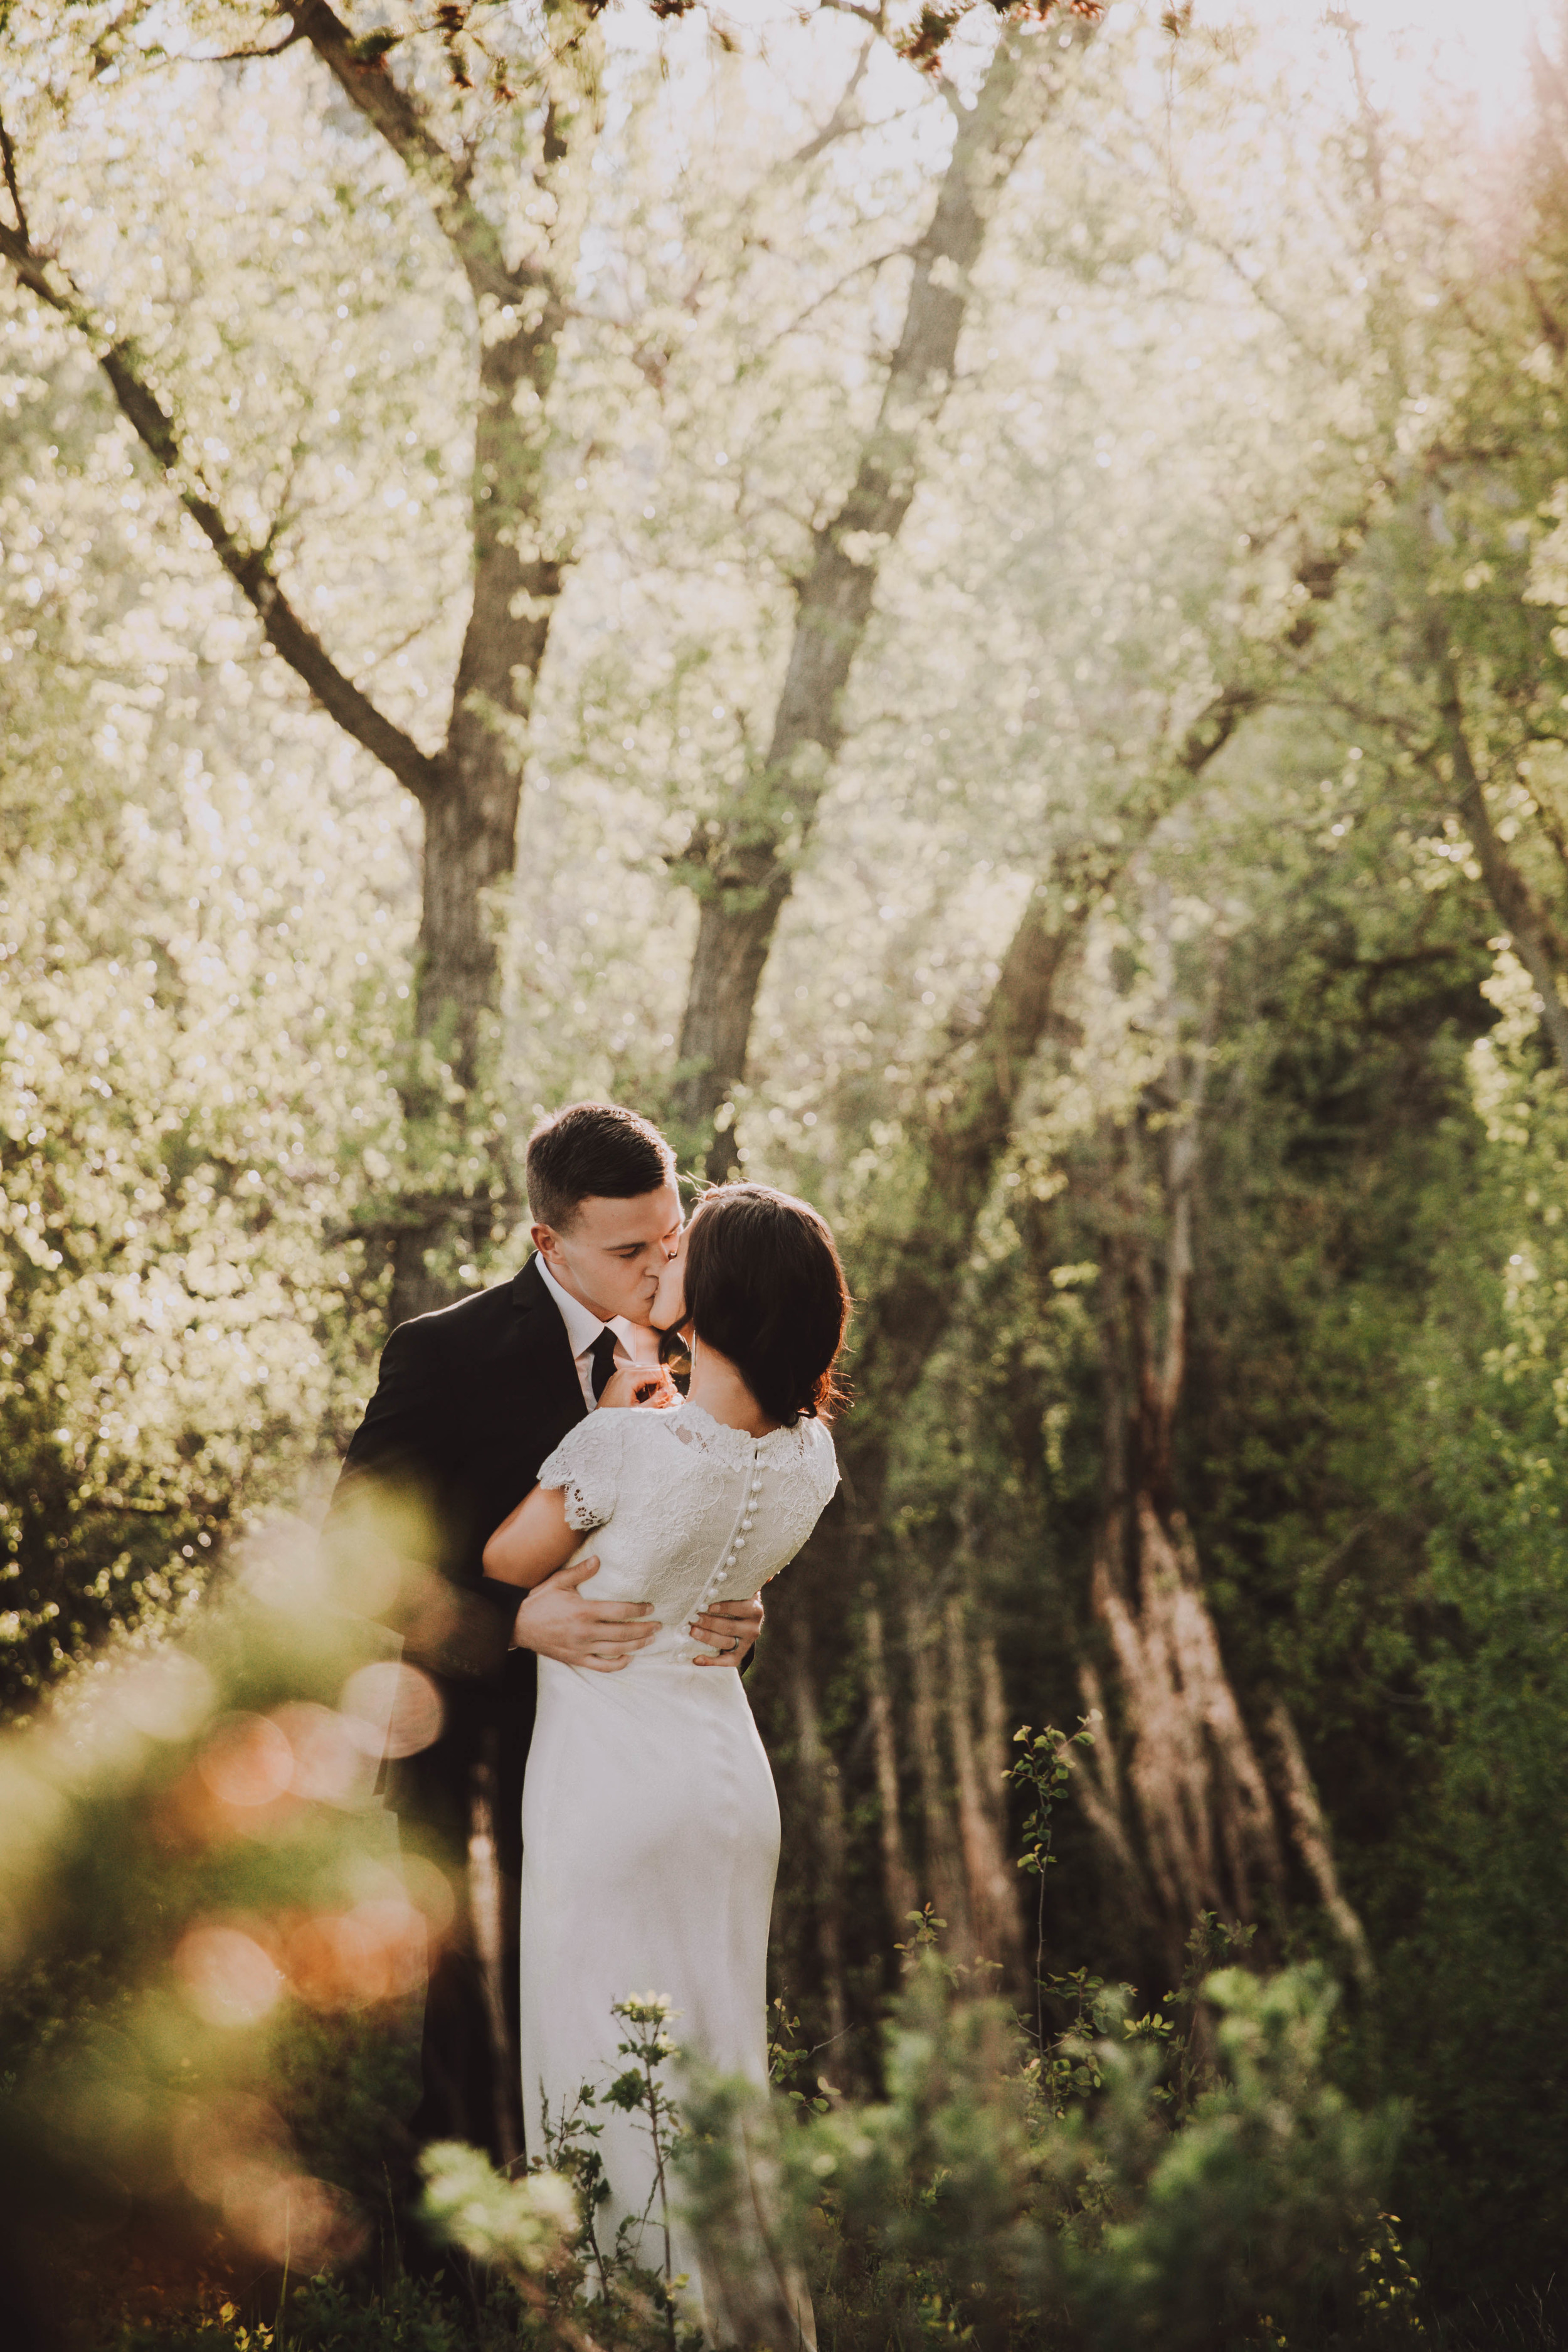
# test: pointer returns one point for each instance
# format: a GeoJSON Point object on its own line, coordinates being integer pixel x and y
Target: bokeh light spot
{"type": "Point", "coordinates": [229, 1979]}
{"type": "Point", "coordinates": [247, 1761]}
{"type": "Point", "coordinates": [349, 1960]}
{"type": "Point", "coordinates": [168, 1698]}
{"type": "Point", "coordinates": [330, 1764]}
{"type": "Point", "coordinates": [395, 1710]}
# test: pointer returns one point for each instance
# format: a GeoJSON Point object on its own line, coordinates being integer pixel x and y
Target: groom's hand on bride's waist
{"type": "Point", "coordinates": [730, 1628]}
{"type": "Point", "coordinates": [556, 1620]}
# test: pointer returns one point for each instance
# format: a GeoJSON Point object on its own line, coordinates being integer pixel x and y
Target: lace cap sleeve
{"type": "Point", "coordinates": [587, 1466]}
{"type": "Point", "coordinates": [821, 1463]}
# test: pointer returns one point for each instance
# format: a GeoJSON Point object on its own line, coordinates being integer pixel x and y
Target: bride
{"type": "Point", "coordinates": [651, 1826]}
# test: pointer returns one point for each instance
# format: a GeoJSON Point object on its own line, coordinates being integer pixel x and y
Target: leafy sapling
{"type": "Point", "coordinates": [640, 2089]}
{"type": "Point", "coordinates": [1042, 1770]}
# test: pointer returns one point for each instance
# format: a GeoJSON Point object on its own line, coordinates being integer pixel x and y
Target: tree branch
{"type": "Point", "coordinates": [875, 18]}
{"type": "Point", "coordinates": [250, 568]}
{"type": "Point", "coordinates": [1223, 712]}
{"type": "Point", "coordinates": [874, 262]}
{"type": "Point", "coordinates": [1542, 948]}
{"type": "Point", "coordinates": [839, 123]}
{"type": "Point", "coordinates": [9, 155]}
{"type": "Point", "coordinates": [369, 84]}
{"type": "Point", "coordinates": [242, 56]}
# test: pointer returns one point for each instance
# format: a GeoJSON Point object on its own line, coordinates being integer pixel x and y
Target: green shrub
{"type": "Point", "coordinates": [1119, 2194]}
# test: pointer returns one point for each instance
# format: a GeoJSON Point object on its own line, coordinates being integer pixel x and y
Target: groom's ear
{"type": "Point", "coordinates": [544, 1238]}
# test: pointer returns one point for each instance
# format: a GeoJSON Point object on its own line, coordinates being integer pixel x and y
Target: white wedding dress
{"type": "Point", "coordinates": [650, 1827]}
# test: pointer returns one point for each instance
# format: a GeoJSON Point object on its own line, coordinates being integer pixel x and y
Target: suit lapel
{"type": "Point", "coordinates": [546, 1350]}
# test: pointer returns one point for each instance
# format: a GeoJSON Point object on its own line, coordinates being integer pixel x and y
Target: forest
{"type": "Point", "coordinates": [968, 608]}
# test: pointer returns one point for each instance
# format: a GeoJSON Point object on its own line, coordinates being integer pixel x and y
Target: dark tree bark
{"type": "Point", "coordinates": [908, 1277]}
{"type": "Point", "coordinates": [1309, 1834]}
{"type": "Point", "coordinates": [469, 790]}
{"type": "Point", "coordinates": [743, 875]}
{"type": "Point", "coordinates": [251, 569]}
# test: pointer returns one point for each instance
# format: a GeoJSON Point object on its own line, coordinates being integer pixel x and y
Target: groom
{"type": "Point", "coordinates": [470, 1401]}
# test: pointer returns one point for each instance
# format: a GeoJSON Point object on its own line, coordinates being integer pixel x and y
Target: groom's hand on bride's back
{"type": "Point", "coordinates": [556, 1620]}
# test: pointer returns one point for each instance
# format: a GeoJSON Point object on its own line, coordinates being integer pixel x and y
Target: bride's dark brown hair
{"type": "Point", "coordinates": [765, 1287]}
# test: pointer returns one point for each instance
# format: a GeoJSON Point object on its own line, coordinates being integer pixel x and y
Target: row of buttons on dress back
{"type": "Point", "coordinates": [739, 1546]}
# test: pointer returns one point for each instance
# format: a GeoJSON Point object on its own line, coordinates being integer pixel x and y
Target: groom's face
{"type": "Point", "coordinates": [613, 1252]}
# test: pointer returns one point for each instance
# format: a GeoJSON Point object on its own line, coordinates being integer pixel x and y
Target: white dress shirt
{"type": "Point", "coordinates": [583, 1328]}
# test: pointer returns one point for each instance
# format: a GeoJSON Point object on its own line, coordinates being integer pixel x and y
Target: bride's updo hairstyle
{"type": "Point", "coordinates": [765, 1287]}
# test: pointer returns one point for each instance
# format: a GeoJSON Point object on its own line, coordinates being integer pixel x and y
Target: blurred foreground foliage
{"type": "Point", "coordinates": [187, 1839]}
{"type": "Point", "coordinates": [211, 1950]}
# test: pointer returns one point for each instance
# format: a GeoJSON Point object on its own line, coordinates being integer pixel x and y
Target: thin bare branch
{"type": "Point", "coordinates": [894, 253]}
{"type": "Point", "coordinates": [239, 56]}
{"type": "Point", "coordinates": [398, 645]}
{"type": "Point", "coordinates": [840, 123]}
{"type": "Point", "coordinates": [1372, 121]}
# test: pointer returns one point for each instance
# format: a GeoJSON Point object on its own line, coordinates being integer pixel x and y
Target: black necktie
{"type": "Point", "coordinates": [604, 1355]}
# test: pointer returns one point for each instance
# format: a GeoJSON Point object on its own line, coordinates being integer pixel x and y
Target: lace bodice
{"type": "Point", "coordinates": [683, 1510]}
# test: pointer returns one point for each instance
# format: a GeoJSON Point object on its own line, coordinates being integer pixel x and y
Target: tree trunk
{"type": "Point", "coordinates": [472, 819]}
{"type": "Point", "coordinates": [992, 1887]}
{"type": "Point", "coordinates": [1098, 1786]}
{"type": "Point", "coordinates": [996, 1741]}
{"type": "Point", "coordinates": [912, 1271]}
{"type": "Point", "coordinates": [470, 831]}
{"type": "Point", "coordinates": [824, 1796]}
{"type": "Point", "coordinates": [1207, 1829]}
{"type": "Point", "coordinates": [898, 1879]}
{"type": "Point", "coordinates": [486, 1890]}
{"type": "Point", "coordinates": [942, 1877]}
{"type": "Point", "coordinates": [1208, 1837]}
{"type": "Point", "coordinates": [1313, 1841]}
{"type": "Point", "coordinates": [743, 875]}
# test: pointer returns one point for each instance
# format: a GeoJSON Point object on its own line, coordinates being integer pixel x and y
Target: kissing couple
{"type": "Point", "coordinates": [598, 1795]}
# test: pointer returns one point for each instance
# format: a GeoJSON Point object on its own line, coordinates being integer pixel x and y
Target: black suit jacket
{"type": "Point", "coordinates": [468, 1403]}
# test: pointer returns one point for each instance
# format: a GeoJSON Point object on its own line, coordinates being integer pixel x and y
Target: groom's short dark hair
{"type": "Point", "coordinates": [593, 1150]}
